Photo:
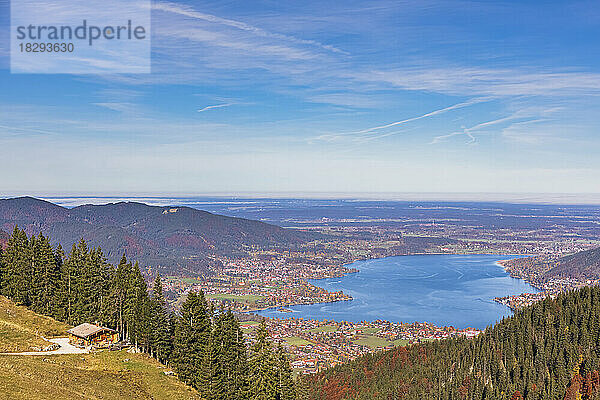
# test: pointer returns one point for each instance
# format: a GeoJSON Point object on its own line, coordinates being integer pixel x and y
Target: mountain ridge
{"type": "Point", "coordinates": [171, 238]}
{"type": "Point", "coordinates": [582, 265]}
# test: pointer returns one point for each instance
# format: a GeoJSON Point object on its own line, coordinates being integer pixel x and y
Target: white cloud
{"type": "Point", "coordinates": [20, 130]}
{"type": "Point", "coordinates": [119, 107]}
{"type": "Point", "coordinates": [190, 12]}
{"type": "Point", "coordinates": [507, 82]}
{"type": "Point", "coordinates": [541, 132]}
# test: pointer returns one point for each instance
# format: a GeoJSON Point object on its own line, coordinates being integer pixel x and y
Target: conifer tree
{"type": "Point", "coordinates": [100, 279]}
{"type": "Point", "coordinates": [159, 334]}
{"type": "Point", "coordinates": [60, 305]}
{"type": "Point", "coordinates": [191, 336]}
{"type": "Point", "coordinates": [139, 320]}
{"type": "Point", "coordinates": [233, 359]}
{"type": "Point", "coordinates": [46, 277]}
{"type": "Point", "coordinates": [285, 389]}
{"type": "Point", "coordinates": [116, 309]}
{"type": "Point", "coordinates": [212, 372]}
{"type": "Point", "coordinates": [17, 268]}
{"type": "Point", "coordinates": [263, 367]}
{"type": "Point", "coordinates": [73, 286]}
{"type": "Point", "coordinates": [131, 295]}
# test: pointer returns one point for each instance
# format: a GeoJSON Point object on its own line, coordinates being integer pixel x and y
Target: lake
{"type": "Point", "coordinates": [447, 290]}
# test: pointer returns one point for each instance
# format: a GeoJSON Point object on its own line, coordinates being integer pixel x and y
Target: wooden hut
{"type": "Point", "coordinates": [86, 335]}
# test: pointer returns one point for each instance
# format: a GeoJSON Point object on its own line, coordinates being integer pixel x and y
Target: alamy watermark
{"type": "Point", "coordinates": [80, 37]}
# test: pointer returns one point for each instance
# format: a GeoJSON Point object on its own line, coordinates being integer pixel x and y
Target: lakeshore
{"type": "Point", "coordinates": [445, 290]}
{"type": "Point", "coordinates": [544, 288]}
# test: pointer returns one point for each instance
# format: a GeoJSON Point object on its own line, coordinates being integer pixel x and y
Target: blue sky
{"type": "Point", "coordinates": [321, 96]}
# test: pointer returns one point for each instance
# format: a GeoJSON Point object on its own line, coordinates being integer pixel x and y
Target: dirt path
{"type": "Point", "coordinates": [65, 348]}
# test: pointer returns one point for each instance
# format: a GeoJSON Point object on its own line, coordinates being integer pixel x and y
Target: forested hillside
{"type": "Point", "coordinates": [582, 265]}
{"type": "Point", "coordinates": [204, 346]}
{"type": "Point", "coordinates": [548, 351]}
{"type": "Point", "coordinates": [172, 239]}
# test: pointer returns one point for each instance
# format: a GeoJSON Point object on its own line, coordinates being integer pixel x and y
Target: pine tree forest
{"type": "Point", "coordinates": [204, 346]}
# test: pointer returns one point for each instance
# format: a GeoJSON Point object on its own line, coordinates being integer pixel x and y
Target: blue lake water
{"type": "Point", "coordinates": [447, 290]}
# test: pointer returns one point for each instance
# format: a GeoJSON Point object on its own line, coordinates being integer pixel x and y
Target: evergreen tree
{"type": "Point", "coordinates": [101, 278]}
{"type": "Point", "coordinates": [46, 277]}
{"type": "Point", "coordinates": [17, 266]}
{"type": "Point", "coordinates": [117, 306]}
{"type": "Point", "coordinates": [71, 284]}
{"type": "Point", "coordinates": [66, 286]}
{"type": "Point", "coordinates": [264, 378]}
{"type": "Point", "coordinates": [212, 371]}
{"type": "Point", "coordinates": [139, 319]}
{"type": "Point", "coordinates": [285, 388]}
{"type": "Point", "coordinates": [191, 337]}
{"type": "Point", "coordinates": [159, 333]}
{"type": "Point", "coordinates": [233, 359]}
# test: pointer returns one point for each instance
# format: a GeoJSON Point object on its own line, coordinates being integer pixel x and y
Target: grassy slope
{"type": "Point", "coordinates": [21, 329]}
{"type": "Point", "coordinates": [102, 375]}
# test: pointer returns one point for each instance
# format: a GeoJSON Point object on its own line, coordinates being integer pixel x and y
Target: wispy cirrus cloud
{"type": "Point", "coordinates": [406, 83]}
{"type": "Point", "coordinates": [350, 100]}
{"type": "Point", "coordinates": [22, 131]}
{"type": "Point", "coordinates": [543, 131]}
{"type": "Point", "coordinates": [223, 45]}
{"type": "Point", "coordinates": [192, 13]}
{"type": "Point", "coordinates": [122, 107]}
{"type": "Point", "coordinates": [505, 82]}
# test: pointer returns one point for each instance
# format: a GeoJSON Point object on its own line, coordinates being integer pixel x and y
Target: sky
{"type": "Point", "coordinates": [320, 96]}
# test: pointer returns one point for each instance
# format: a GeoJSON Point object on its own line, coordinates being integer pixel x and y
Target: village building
{"type": "Point", "coordinates": [86, 335]}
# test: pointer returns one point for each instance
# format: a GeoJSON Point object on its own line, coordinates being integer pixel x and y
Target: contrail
{"type": "Point", "coordinates": [430, 114]}
{"type": "Point", "coordinates": [404, 121]}
{"type": "Point", "coordinates": [469, 131]}
{"type": "Point", "coordinates": [215, 106]}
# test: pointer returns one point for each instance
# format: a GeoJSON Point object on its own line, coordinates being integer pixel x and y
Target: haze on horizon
{"type": "Point", "coordinates": [321, 97]}
{"type": "Point", "coordinates": [196, 199]}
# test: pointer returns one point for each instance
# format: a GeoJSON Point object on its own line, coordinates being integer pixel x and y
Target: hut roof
{"type": "Point", "coordinates": [85, 330]}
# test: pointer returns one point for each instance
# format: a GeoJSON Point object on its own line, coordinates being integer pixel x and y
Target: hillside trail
{"type": "Point", "coordinates": [65, 348]}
